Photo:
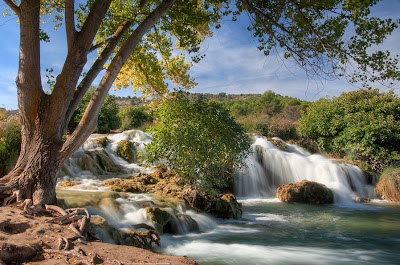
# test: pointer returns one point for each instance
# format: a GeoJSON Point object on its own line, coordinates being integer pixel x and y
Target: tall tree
{"type": "Point", "coordinates": [129, 36]}
{"type": "Point", "coordinates": [134, 42]}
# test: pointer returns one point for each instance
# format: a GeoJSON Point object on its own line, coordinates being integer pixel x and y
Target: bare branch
{"type": "Point", "coordinates": [13, 7]}
{"type": "Point", "coordinates": [70, 23]}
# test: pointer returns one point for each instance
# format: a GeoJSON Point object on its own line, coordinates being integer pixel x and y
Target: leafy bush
{"type": "Point", "coordinates": [199, 141]}
{"type": "Point", "coordinates": [364, 124]}
{"type": "Point", "coordinates": [10, 142]}
{"type": "Point", "coordinates": [108, 116]}
{"type": "Point", "coordinates": [133, 117]}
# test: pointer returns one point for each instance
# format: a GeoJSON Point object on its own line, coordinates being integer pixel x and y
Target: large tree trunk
{"type": "Point", "coordinates": [35, 173]}
{"type": "Point", "coordinates": [44, 117]}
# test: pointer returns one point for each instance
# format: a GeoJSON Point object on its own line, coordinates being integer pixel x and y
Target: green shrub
{"type": "Point", "coordinates": [134, 117]}
{"type": "Point", "coordinates": [198, 140]}
{"type": "Point", "coordinates": [364, 124]}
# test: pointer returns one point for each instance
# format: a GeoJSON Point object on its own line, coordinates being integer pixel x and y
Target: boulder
{"type": "Point", "coordinates": [160, 218]}
{"type": "Point", "coordinates": [222, 206]}
{"type": "Point", "coordinates": [305, 192]}
{"type": "Point", "coordinates": [109, 234]}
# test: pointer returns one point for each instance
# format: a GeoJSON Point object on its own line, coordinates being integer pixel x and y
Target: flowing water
{"type": "Point", "coordinates": [270, 232]}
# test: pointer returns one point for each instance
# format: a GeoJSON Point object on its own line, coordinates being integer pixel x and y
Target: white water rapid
{"type": "Point", "coordinates": [269, 167]}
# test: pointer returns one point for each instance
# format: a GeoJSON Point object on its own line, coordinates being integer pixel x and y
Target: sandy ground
{"type": "Point", "coordinates": [31, 237]}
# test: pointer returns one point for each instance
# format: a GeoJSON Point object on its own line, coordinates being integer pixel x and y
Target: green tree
{"type": "Point", "coordinates": [198, 140]}
{"type": "Point", "coordinates": [108, 118]}
{"type": "Point", "coordinates": [363, 123]}
{"type": "Point", "coordinates": [133, 117]}
{"type": "Point", "coordinates": [134, 41]}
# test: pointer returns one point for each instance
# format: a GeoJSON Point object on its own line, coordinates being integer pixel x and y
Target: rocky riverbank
{"type": "Point", "coordinates": [34, 240]}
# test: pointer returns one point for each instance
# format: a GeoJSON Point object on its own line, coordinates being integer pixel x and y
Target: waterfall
{"type": "Point", "coordinates": [269, 167]}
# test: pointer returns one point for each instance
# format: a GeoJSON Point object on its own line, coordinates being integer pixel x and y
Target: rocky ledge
{"type": "Point", "coordinates": [164, 182]}
{"type": "Point", "coordinates": [305, 192]}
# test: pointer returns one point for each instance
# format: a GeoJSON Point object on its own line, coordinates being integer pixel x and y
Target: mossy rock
{"type": "Point", "coordinates": [127, 151]}
{"type": "Point", "coordinates": [103, 141]}
{"type": "Point", "coordinates": [309, 192]}
{"type": "Point", "coordinates": [69, 183]}
{"type": "Point", "coordinates": [160, 218]}
{"type": "Point", "coordinates": [281, 145]}
{"type": "Point", "coordinates": [123, 185]}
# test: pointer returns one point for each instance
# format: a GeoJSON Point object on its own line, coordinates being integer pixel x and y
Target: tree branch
{"type": "Point", "coordinates": [97, 66]}
{"type": "Point", "coordinates": [311, 27]}
{"type": "Point", "coordinates": [13, 7]}
{"type": "Point", "coordinates": [70, 23]}
{"type": "Point", "coordinates": [93, 108]}
{"type": "Point", "coordinates": [92, 23]}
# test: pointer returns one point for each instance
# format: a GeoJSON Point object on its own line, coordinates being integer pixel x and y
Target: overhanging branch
{"type": "Point", "coordinates": [13, 7]}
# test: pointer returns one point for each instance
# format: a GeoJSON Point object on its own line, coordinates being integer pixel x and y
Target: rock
{"type": "Point", "coordinates": [160, 218]}
{"type": "Point", "coordinates": [362, 200]}
{"type": "Point", "coordinates": [127, 151]}
{"type": "Point", "coordinates": [305, 192]}
{"type": "Point", "coordinates": [109, 234]}
{"type": "Point", "coordinates": [187, 222]}
{"type": "Point", "coordinates": [223, 206]}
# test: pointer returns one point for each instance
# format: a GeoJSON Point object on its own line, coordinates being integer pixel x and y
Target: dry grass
{"type": "Point", "coordinates": [388, 187]}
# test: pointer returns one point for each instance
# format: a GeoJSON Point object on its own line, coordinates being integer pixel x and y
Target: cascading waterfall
{"type": "Point", "coordinates": [269, 167]}
{"type": "Point", "coordinates": [98, 160]}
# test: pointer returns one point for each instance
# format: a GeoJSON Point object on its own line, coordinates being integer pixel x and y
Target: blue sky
{"type": "Point", "coordinates": [233, 64]}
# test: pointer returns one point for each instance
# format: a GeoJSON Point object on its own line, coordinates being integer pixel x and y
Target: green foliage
{"type": "Point", "coordinates": [363, 123]}
{"type": "Point", "coordinates": [108, 116]}
{"type": "Point", "coordinates": [199, 141]}
{"type": "Point", "coordinates": [325, 37]}
{"type": "Point", "coordinates": [134, 117]}
{"type": "Point", "coordinates": [10, 141]}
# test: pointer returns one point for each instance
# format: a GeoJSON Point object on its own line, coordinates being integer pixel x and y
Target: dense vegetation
{"type": "Point", "coordinates": [134, 117]}
{"type": "Point", "coordinates": [269, 114]}
{"type": "Point", "coordinates": [363, 124]}
{"type": "Point", "coordinates": [199, 140]}
{"type": "Point", "coordinates": [10, 141]}
{"type": "Point", "coordinates": [108, 116]}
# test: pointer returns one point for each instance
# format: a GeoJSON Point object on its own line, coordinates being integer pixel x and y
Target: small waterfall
{"type": "Point", "coordinates": [97, 159]}
{"type": "Point", "coordinates": [270, 167]}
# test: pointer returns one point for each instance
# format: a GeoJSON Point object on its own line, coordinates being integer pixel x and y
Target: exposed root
{"type": "Point", "coordinates": [63, 244]}
{"type": "Point", "coordinates": [9, 200]}
{"type": "Point", "coordinates": [55, 208]}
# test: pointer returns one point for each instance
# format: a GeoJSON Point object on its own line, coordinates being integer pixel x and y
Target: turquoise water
{"type": "Point", "coordinates": [272, 232]}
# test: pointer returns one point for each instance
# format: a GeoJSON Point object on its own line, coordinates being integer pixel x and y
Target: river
{"type": "Point", "coordinates": [269, 232]}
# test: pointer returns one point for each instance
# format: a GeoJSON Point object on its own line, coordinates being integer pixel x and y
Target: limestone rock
{"type": "Point", "coordinates": [305, 192]}
{"type": "Point", "coordinates": [160, 218]}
